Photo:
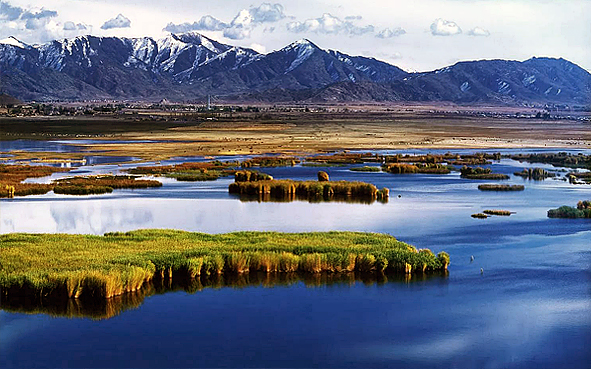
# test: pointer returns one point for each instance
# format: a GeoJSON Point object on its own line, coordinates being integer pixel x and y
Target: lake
{"type": "Point", "coordinates": [530, 306]}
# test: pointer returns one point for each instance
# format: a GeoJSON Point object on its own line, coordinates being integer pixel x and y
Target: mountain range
{"type": "Point", "coordinates": [188, 66]}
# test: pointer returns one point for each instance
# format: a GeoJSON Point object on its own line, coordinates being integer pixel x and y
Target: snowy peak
{"type": "Point", "coordinates": [196, 38]}
{"type": "Point", "coordinates": [13, 41]}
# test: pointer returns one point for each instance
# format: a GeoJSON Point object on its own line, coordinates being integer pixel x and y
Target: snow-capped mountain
{"type": "Point", "coordinates": [189, 65]}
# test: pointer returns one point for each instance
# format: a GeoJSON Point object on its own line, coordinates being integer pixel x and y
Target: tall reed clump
{"type": "Point", "coordinates": [481, 173]}
{"type": "Point", "coordinates": [423, 168]}
{"type": "Point", "coordinates": [251, 176]}
{"type": "Point", "coordinates": [537, 174]}
{"type": "Point", "coordinates": [583, 210]}
{"type": "Point", "coordinates": [282, 190]}
{"type": "Point", "coordinates": [78, 266]}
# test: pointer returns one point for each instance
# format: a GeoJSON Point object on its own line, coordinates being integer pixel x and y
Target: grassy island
{"type": "Point", "coordinates": [428, 168]}
{"type": "Point", "coordinates": [504, 213]}
{"type": "Point", "coordinates": [481, 173]}
{"type": "Point", "coordinates": [561, 159]}
{"type": "Point", "coordinates": [202, 171]}
{"type": "Point", "coordinates": [498, 187]}
{"type": "Point", "coordinates": [289, 190]}
{"type": "Point", "coordinates": [93, 185]}
{"type": "Point", "coordinates": [583, 210]}
{"type": "Point", "coordinates": [83, 266]}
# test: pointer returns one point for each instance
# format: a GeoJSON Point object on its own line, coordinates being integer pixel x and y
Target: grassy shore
{"type": "Point", "coordinates": [79, 266]}
{"type": "Point", "coordinates": [11, 177]}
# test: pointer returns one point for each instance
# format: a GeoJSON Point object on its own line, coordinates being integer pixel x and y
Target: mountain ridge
{"type": "Point", "coordinates": [187, 66]}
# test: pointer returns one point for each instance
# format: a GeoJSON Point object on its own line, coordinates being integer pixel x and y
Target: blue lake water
{"type": "Point", "coordinates": [531, 306]}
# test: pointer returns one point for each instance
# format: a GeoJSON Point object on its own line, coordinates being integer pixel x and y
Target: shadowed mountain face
{"type": "Point", "coordinates": [187, 66]}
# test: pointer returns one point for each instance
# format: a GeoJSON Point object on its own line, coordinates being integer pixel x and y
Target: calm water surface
{"type": "Point", "coordinates": [530, 308]}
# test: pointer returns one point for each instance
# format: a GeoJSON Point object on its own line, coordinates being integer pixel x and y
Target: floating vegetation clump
{"type": "Point", "coordinates": [481, 173]}
{"type": "Point", "coordinates": [479, 216]}
{"type": "Point", "coordinates": [504, 213]}
{"type": "Point", "coordinates": [92, 185]}
{"type": "Point", "coordinates": [11, 177]}
{"type": "Point", "coordinates": [498, 187]}
{"type": "Point", "coordinates": [583, 210]}
{"type": "Point", "coordinates": [537, 174]}
{"type": "Point", "coordinates": [365, 169]}
{"type": "Point", "coordinates": [270, 161]}
{"type": "Point", "coordinates": [202, 171]}
{"type": "Point", "coordinates": [579, 177]}
{"type": "Point", "coordinates": [99, 267]}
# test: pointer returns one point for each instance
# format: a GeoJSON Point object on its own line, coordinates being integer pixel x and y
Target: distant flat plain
{"type": "Point", "coordinates": [301, 130]}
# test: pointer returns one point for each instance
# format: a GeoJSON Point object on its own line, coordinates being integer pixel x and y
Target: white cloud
{"type": "Point", "coordinates": [389, 33]}
{"type": "Point", "coordinates": [71, 26]}
{"type": "Point", "coordinates": [477, 31]}
{"type": "Point", "coordinates": [442, 27]}
{"type": "Point", "coordinates": [206, 23]}
{"type": "Point", "coordinates": [328, 24]}
{"type": "Point", "coordinates": [120, 21]}
{"type": "Point", "coordinates": [237, 32]}
{"type": "Point", "coordinates": [9, 12]}
{"type": "Point", "coordinates": [267, 13]}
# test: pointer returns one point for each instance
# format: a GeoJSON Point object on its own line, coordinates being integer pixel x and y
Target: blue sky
{"type": "Point", "coordinates": [415, 35]}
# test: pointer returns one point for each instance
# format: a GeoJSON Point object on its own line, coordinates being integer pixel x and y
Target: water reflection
{"type": "Point", "coordinates": [98, 309]}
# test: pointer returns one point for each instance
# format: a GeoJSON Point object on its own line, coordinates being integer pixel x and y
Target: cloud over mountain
{"type": "Point", "coordinates": [389, 33]}
{"type": "Point", "coordinates": [442, 27]}
{"type": "Point", "coordinates": [120, 21]}
{"type": "Point", "coordinates": [477, 31]}
{"type": "Point", "coordinates": [329, 24]}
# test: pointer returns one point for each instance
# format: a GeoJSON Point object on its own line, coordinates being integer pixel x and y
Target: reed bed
{"type": "Point", "coordinates": [498, 187]}
{"type": "Point", "coordinates": [11, 177]}
{"type": "Point", "coordinates": [100, 184]}
{"type": "Point", "coordinates": [561, 159]}
{"type": "Point", "coordinates": [202, 171]}
{"type": "Point", "coordinates": [290, 190]}
{"type": "Point", "coordinates": [83, 266]}
{"type": "Point", "coordinates": [345, 158]}
{"type": "Point", "coordinates": [505, 213]}
{"type": "Point", "coordinates": [270, 161]}
{"type": "Point", "coordinates": [583, 210]}
{"type": "Point", "coordinates": [251, 176]}
{"type": "Point", "coordinates": [366, 169]}
{"type": "Point", "coordinates": [404, 168]}
{"type": "Point", "coordinates": [537, 174]}
{"type": "Point", "coordinates": [481, 173]}
{"type": "Point", "coordinates": [479, 216]}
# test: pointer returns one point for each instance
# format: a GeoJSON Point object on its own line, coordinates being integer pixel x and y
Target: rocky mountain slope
{"type": "Point", "coordinates": [188, 66]}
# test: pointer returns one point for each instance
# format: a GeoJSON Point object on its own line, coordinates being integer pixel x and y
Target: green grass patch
{"type": "Point", "coordinates": [81, 266]}
{"type": "Point", "coordinates": [481, 173]}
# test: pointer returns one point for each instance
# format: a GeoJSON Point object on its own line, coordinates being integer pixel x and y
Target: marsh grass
{"type": "Point", "coordinates": [537, 174]}
{"type": "Point", "coordinates": [190, 172]}
{"type": "Point", "coordinates": [365, 169]}
{"type": "Point", "coordinates": [479, 216]}
{"type": "Point", "coordinates": [270, 161]}
{"type": "Point", "coordinates": [505, 213]}
{"type": "Point", "coordinates": [11, 177]}
{"type": "Point", "coordinates": [98, 267]}
{"type": "Point", "coordinates": [481, 173]}
{"type": "Point", "coordinates": [100, 184]}
{"type": "Point", "coordinates": [289, 190]}
{"type": "Point", "coordinates": [498, 187]}
{"type": "Point", "coordinates": [423, 168]}
{"type": "Point", "coordinates": [562, 159]}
